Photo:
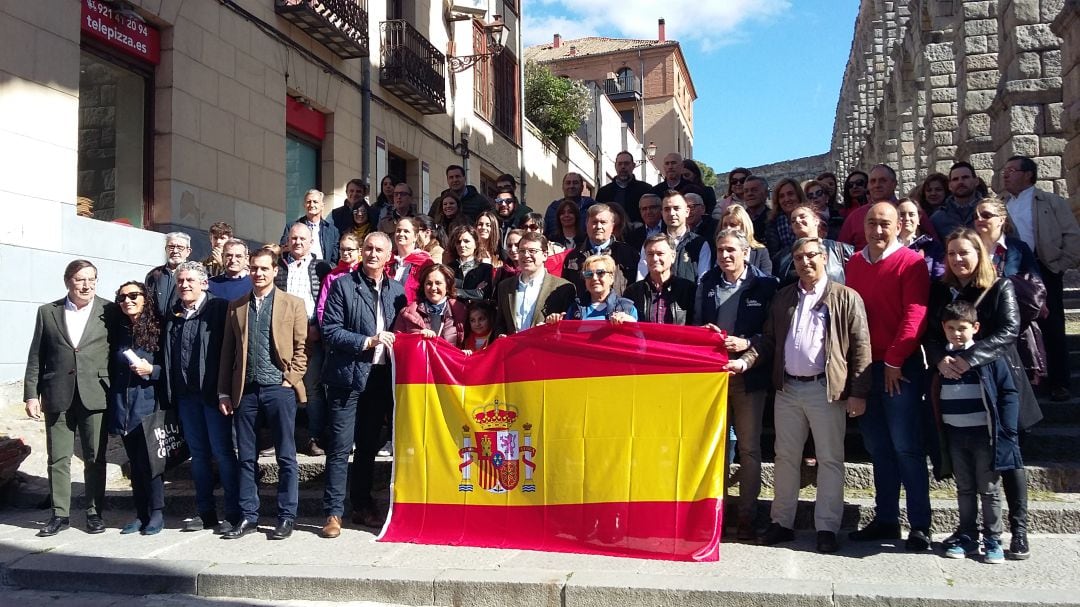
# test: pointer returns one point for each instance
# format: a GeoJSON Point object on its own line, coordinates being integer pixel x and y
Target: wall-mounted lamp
{"type": "Point", "coordinates": [495, 31]}
{"type": "Point", "coordinates": [650, 153]}
{"type": "Point", "coordinates": [462, 147]}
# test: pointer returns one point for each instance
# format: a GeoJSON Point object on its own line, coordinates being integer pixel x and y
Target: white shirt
{"type": "Point", "coordinates": [525, 300]}
{"type": "Point", "coordinates": [316, 245]}
{"type": "Point", "coordinates": [299, 284]}
{"type": "Point", "coordinates": [804, 347]}
{"type": "Point", "coordinates": [76, 318]}
{"type": "Point", "coordinates": [1022, 217]}
{"type": "Point", "coordinates": [380, 356]}
{"type": "Point", "coordinates": [893, 247]}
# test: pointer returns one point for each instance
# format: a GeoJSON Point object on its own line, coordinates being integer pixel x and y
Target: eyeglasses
{"type": "Point", "coordinates": [359, 211]}
{"type": "Point", "coordinates": [806, 256]}
{"type": "Point", "coordinates": [175, 247]}
{"type": "Point", "coordinates": [987, 215]}
{"type": "Point", "coordinates": [532, 252]}
{"type": "Point", "coordinates": [738, 180]}
{"type": "Point", "coordinates": [1011, 170]}
{"type": "Point", "coordinates": [816, 194]}
{"type": "Point", "coordinates": [598, 274]}
{"type": "Point", "coordinates": [531, 227]}
{"type": "Point", "coordinates": [857, 183]}
{"type": "Point", "coordinates": [133, 296]}
{"type": "Point", "coordinates": [348, 249]}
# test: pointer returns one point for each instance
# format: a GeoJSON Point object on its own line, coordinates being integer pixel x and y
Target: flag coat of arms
{"type": "Point", "coordinates": [575, 437]}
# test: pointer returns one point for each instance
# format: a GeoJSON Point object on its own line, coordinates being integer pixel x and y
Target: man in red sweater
{"type": "Point", "coordinates": [895, 286]}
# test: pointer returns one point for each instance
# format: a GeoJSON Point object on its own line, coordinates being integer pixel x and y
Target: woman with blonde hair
{"type": "Point", "coordinates": [735, 217]}
{"type": "Point", "coordinates": [1009, 254]}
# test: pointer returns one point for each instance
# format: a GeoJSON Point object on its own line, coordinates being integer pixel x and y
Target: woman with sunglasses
{"type": "Point", "coordinates": [817, 195]}
{"type": "Point", "coordinates": [855, 192]}
{"type": "Point", "coordinates": [602, 302]}
{"type": "Point", "coordinates": [735, 180]}
{"type": "Point", "coordinates": [473, 278]}
{"type": "Point", "coordinates": [1009, 254]}
{"type": "Point", "coordinates": [134, 374]}
{"type": "Point", "coordinates": [361, 220]}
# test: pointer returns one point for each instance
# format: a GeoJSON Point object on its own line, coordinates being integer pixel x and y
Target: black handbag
{"type": "Point", "coordinates": [165, 444]}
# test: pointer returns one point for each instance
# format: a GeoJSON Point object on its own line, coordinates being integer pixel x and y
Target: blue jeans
{"type": "Point", "coordinates": [355, 416]}
{"type": "Point", "coordinates": [209, 434]}
{"type": "Point", "coordinates": [316, 399]}
{"type": "Point", "coordinates": [277, 405]}
{"type": "Point", "coordinates": [892, 433]}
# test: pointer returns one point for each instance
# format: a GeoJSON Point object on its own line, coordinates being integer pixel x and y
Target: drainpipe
{"type": "Point", "coordinates": [365, 128]}
{"type": "Point", "coordinates": [641, 135]}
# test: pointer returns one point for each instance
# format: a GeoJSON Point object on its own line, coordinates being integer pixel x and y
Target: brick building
{"type": "Point", "coordinates": [647, 81]}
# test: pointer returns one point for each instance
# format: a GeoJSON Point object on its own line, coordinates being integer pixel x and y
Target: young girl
{"type": "Point", "coordinates": [478, 333]}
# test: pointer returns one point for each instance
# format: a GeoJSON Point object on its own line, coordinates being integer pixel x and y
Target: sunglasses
{"type": "Point", "coordinates": [858, 183]}
{"type": "Point", "coordinates": [504, 201]}
{"type": "Point", "coordinates": [134, 296]}
{"type": "Point", "coordinates": [531, 226]}
{"type": "Point", "coordinates": [737, 180]}
{"type": "Point", "coordinates": [816, 194]}
{"type": "Point", "coordinates": [987, 215]}
{"type": "Point", "coordinates": [588, 274]}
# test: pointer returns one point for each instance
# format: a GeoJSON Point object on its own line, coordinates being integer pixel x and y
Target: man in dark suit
{"type": "Point", "coordinates": [525, 300]}
{"type": "Point", "coordinates": [624, 190]}
{"type": "Point", "coordinates": [67, 376]}
{"type": "Point", "coordinates": [360, 310]}
{"type": "Point", "coordinates": [263, 360]}
{"type": "Point", "coordinates": [193, 331]}
{"type": "Point", "coordinates": [599, 226]}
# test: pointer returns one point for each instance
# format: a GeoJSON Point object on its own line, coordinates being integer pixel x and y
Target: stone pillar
{"type": "Point", "coordinates": [1067, 25]}
{"type": "Point", "coordinates": [941, 117]}
{"type": "Point", "coordinates": [977, 79]}
{"type": "Point", "coordinates": [1028, 112]}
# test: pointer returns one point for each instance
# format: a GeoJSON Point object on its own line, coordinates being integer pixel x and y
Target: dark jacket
{"type": "Point", "coordinates": [847, 341]}
{"type": "Point", "coordinates": [475, 285]}
{"type": "Point", "coordinates": [677, 293]}
{"type": "Point", "coordinates": [348, 320]}
{"type": "Point", "coordinates": [951, 215]}
{"type": "Point", "coordinates": [933, 252]}
{"type": "Point", "coordinates": [838, 255]}
{"type": "Point", "coordinates": [750, 320]}
{"type": "Point", "coordinates": [626, 261]}
{"type": "Point", "coordinates": [56, 368]}
{"type": "Point", "coordinates": [1002, 402]}
{"type": "Point", "coordinates": [161, 281]}
{"type": "Point", "coordinates": [211, 330]}
{"type": "Point", "coordinates": [634, 190]}
{"type": "Point", "coordinates": [999, 325]}
{"type": "Point", "coordinates": [473, 203]}
{"type": "Point", "coordinates": [1018, 259]}
{"type": "Point", "coordinates": [613, 301]}
{"type": "Point", "coordinates": [131, 397]}
{"type": "Point", "coordinates": [328, 239]}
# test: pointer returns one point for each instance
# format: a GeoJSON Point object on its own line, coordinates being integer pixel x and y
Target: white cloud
{"type": "Point", "coordinates": [708, 23]}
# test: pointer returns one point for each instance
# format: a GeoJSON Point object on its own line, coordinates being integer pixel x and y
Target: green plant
{"type": "Point", "coordinates": [555, 105]}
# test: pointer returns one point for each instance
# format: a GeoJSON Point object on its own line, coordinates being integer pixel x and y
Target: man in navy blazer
{"type": "Point", "coordinates": [67, 376]}
{"type": "Point", "coordinates": [360, 310]}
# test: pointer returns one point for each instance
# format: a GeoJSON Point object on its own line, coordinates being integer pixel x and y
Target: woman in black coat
{"type": "Point", "coordinates": [134, 374]}
{"type": "Point", "coordinates": [970, 276]}
{"type": "Point", "coordinates": [474, 279]}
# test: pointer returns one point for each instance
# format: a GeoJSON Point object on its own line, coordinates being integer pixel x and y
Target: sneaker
{"type": "Point", "coordinates": [960, 545]}
{"type": "Point", "coordinates": [992, 551]}
{"type": "Point", "coordinates": [387, 450]}
{"type": "Point", "coordinates": [1018, 547]}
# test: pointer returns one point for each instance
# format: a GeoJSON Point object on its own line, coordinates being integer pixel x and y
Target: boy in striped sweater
{"type": "Point", "coordinates": [979, 411]}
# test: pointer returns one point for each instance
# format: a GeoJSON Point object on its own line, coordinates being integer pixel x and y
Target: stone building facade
{"type": "Point", "coordinates": [931, 82]}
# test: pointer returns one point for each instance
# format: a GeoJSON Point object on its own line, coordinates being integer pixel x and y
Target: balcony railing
{"type": "Point", "coordinates": [340, 25]}
{"type": "Point", "coordinates": [622, 88]}
{"type": "Point", "coordinates": [412, 68]}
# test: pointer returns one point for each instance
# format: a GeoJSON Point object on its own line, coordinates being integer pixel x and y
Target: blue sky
{"type": "Point", "coordinates": [767, 72]}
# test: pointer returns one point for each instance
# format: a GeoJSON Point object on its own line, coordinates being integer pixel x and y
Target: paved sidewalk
{"type": "Point", "coordinates": [355, 568]}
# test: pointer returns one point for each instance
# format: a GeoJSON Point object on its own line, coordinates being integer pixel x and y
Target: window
{"type": "Point", "coordinates": [301, 174]}
{"type": "Point", "coordinates": [625, 80]}
{"type": "Point", "coordinates": [113, 141]}
{"type": "Point", "coordinates": [627, 117]}
{"type": "Point", "coordinates": [482, 94]}
{"type": "Point", "coordinates": [506, 91]}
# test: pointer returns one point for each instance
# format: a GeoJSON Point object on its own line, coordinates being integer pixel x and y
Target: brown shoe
{"type": "Point", "coordinates": [332, 528]}
{"type": "Point", "coordinates": [314, 450]}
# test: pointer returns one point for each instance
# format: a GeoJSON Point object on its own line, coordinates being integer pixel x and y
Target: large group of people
{"type": "Point", "coordinates": [933, 311]}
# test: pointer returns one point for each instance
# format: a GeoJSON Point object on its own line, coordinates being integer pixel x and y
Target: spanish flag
{"type": "Point", "coordinates": [576, 437]}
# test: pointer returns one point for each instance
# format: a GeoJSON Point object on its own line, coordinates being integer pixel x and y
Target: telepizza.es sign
{"type": "Point", "coordinates": [124, 32]}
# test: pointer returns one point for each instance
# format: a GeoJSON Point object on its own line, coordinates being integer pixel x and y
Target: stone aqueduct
{"type": "Point", "coordinates": [930, 82]}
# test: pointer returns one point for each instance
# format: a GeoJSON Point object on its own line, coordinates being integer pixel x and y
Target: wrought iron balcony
{"type": "Point", "coordinates": [340, 25]}
{"type": "Point", "coordinates": [412, 68]}
{"type": "Point", "coordinates": [625, 87]}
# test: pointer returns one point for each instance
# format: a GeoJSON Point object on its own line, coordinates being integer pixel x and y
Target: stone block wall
{"type": "Point", "coordinates": [931, 82]}
{"type": "Point", "coordinates": [1067, 25]}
